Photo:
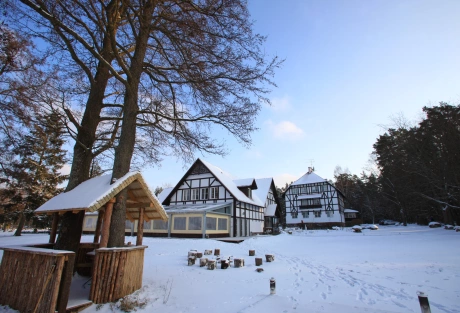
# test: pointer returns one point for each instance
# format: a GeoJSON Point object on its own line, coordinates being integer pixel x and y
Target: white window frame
{"type": "Point", "coordinates": [317, 213]}
{"type": "Point", "coordinates": [204, 194]}
{"type": "Point", "coordinates": [214, 193]}
{"type": "Point", "coordinates": [185, 194]}
{"type": "Point", "coordinates": [195, 194]}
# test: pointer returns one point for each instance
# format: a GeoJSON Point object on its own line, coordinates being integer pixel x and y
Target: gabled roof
{"type": "Point", "coordinates": [94, 193]}
{"type": "Point", "coordinates": [223, 177]}
{"type": "Point", "coordinates": [263, 187]}
{"type": "Point", "coordinates": [309, 178]}
{"type": "Point", "coordinates": [246, 182]}
{"type": "Point", "coordinates": [226, 180]}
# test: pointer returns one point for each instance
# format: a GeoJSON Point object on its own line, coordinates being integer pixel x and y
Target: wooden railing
{"type": "Point", "coordinates": [35, 280]}
{"type": "Point", "coordinates": [117, 272]}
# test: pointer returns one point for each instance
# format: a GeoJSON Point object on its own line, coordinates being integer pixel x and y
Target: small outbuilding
{"type": "Point", "coordinates": [114, 272]}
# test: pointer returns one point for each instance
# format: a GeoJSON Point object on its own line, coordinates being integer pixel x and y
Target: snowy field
{"type": "Point", "coordinates": [315, 271]}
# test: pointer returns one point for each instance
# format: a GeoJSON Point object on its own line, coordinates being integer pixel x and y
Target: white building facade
{"type": "Point", "coordinates": [313, 202]}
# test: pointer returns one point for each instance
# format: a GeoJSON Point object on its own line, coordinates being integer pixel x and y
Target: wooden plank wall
{"type": "Point", "coordinates": [117, 272]}
{"type": "Point", "coordinates": [30, 280]}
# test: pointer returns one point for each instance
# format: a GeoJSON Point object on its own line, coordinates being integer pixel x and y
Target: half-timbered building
{"type": "Point", "coordinates": [313, 202]}
{"type": "Point", "coordinates": [207, 202]}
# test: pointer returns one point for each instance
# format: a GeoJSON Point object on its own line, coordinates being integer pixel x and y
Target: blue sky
{"type": "Point", "coordinates": [350, 65]}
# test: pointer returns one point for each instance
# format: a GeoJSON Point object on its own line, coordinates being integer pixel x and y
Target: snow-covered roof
{"type": "Point", "coordinates": [229, 184]}
{"type": "Point", "coordinates": [246, 182]}
{"type": "Point", "coordinates": [311, 196]}
{"type": "Point", "coordinates": [94, 193]}
{"type": "Point", "coordinates": [308, 178]}
{"type": "Point", "coordinates": [164, 194]}
{"type": "Point", "coordinates": [350, 211]}
{"type": "Point", "coordinates": [263, 187]}
{"type": "Point", "coordinates": [196, 208]}
{"type": "Point", "coordinates": [270, 210]}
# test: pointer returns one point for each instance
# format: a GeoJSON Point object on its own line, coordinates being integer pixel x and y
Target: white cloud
{"type": "Point", "coordinates": [286, 130]}
{"type": "Point", "coordinates": [280, 104]}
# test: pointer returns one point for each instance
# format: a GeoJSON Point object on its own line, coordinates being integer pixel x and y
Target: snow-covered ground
{"type": "Point", "coordinates": [315, 271]}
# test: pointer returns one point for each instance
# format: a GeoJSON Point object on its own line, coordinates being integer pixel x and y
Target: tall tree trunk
{"type": "Point", "coordinates": [71, 224]}
{"type": "Point", "coordinates": [22, 220]}
{"type": "Point", "coordinates": [124, 151]}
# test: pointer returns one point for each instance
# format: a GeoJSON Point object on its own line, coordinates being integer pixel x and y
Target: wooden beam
{"type": "Point", "coordinates": [146, 218]}
{"type": "Point", "coordinates": [54, 227]}
{"type": "Point", "coordinates": [138, 205]}
{"type": "Point", "coordinates": [140, 227]}
{"type": "Point", "coordinates": [106, 225]}
{"type": "Point", "coordinates": [97, 232]}
{"type": "Point", "coordinates": [131, 195]}
{"type": "Point", "coordinates": [129, 216]}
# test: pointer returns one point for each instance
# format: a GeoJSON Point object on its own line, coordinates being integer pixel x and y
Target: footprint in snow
{"type": "Point", "coordinates": [323, 295]}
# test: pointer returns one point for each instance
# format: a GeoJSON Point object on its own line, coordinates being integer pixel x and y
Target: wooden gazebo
{"type": "Point", "coordinates": [115, 272]}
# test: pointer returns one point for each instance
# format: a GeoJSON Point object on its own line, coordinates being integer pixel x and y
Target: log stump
{"type": "Point", "coordinates": [203, 262]}
{"type": "Point", "coordinates": [211, 265]}
{"type": "Point", "coordinates": [199, 255]}
{"type": "Point", "coordinates": [191, 260]}
{"type": "Point", "coordinates": [269, 257]}
{"type": "Point", "coordinates": [216, 251]}
{"type": "Point", "coordinates": [239, 262]}
{"type": "Point", "coordinates": [192, 253]}
{"type": "Point", "coordinates": [258, 261]}
{"type": "Point", "coordinates": [224, 264]}
{"type": "Point", "coordinates": [207, 252]}
{"type": "Point", "coordinates": [252, 252]}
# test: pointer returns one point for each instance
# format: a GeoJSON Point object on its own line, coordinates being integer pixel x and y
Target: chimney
{"type": "Point", "coordinates": [310, 170]}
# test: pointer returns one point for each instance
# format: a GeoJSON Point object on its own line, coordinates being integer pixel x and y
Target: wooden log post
{"type": "Point", "coordinates": [424, 303]}
{"type": "Point", "coordinates": [252, 252]}
{"type": "Point", "coordinates": [97, 232]}
{"type": "Point", "coordinates": [207, 252]}
{"type": "Point", "coordinates": [258, 261]}
{"type": "Point", "coordinates": [140, 227]}
{"type": "Point", "coordinates": [199, 254]}
{"type": "Point", "coordinates": [224, 264]}
{"type": "Point", "coordinates": [269, 257]}
{"type": "Point", "coordinates": [216, 252]}
{"type": "Point", "coordinates": [191, 260]}
{"type": "Point", "coordinates": [239, 262]}
{"type": "Point", "coordinates": [203, 262]}
{"type": "Point", "coordinates": [54, 227]}
{"type": "Point", "coordinates": [106, 225]}
{"type": "Point", "coordinates": [211, 264]}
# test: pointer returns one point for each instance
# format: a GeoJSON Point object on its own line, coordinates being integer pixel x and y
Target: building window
{"type": "Point", "coordinates": [317, 213]}
{"type": "Point", "coordinates": [185, 194]}
{"type": "Point", "coordinates": [160, 225]}
{"type": "Point", "coordinates": [329, 213]}
{"type": "Point", "coordinates": [147, 225]}
{"type": "Point", "coordinates": [305, 214]}
{"type": "Point", "coordinates": [89, 222]}
{"type": "Point", "coordinates": [194, 223]}
{"type": "Point", "coordinates": [223, 224]}
{"type": "Point", "coordinates": [128, 224]}
{"type": "Point", "coordinates": [211, 223]}
{"type": "Point", "coordinates": [196, 194]}
{"type": "Point", "coordinates": [294, 214]}
{"type": "Point", "coordinates": [204, 194]}
{"type": "Point", "coordinates": [214, 192]}
{"type": "Point", "coordinates": [310, 203]}
{"type": "Point", "coordinates": [179, 223]}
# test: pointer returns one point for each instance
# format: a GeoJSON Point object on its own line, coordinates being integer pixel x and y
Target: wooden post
{"type": "Point", "coordinates": [239, 262]}
{"type": "Point", "coordinates": [54, 227]}
{"type": "Point", "coordinates": [252, 252]}
{"type": "Point", "coordinates": [258, 261]}
{"type": "Point", "coordinates": [106, 225]}
{"type": "Point", "coordinates": [140, 227]}
{"type": "Point", "coordinates": [269, 257]}
{"type": "Point", "coordinates": [423, 300]}
{"type": "Point", "coordinates": [97, 232]}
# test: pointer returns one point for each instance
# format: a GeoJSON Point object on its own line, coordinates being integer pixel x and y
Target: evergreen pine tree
{"type": "Point", "coordinates": [33, 177]}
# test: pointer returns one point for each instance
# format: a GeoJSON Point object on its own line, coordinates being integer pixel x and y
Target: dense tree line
{"type": "Point", "coordinates": [418, 172]}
